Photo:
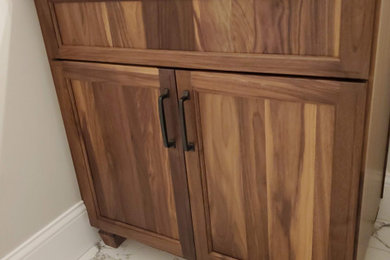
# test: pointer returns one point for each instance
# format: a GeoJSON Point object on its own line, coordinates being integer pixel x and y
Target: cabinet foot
{"type": "Point", "coordinates": [110, 239]}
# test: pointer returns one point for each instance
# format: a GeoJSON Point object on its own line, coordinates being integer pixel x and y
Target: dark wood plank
{"type": "Point", "coordinates": [280, 88]}
{"type": "Point", "coordinates": [260, 63]}
{"type": "Point", "coordinates": [357, 34]}
{"type": "Point", "coordinates": [290, 153]}
{"type": "Point", "coordinates": [223, 172]}
{"type": "Point", "coordinates": [84, 24]}
{"type": "Point", "coordinates": [141, 77]}
{"type": "Point", "coordinates": [323, 181]}
{"type": "Point", "coordinates": [193, 167]}
{"type": "Point", "coordinates": [252, 116]}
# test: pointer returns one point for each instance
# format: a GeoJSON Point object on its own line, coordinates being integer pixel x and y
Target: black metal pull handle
{"type": "Point", "coordinates": [187, 146]}
{"type": "Point", "coordinates": [163, 123]}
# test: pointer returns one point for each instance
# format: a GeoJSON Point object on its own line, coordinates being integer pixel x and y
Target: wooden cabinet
{"type": "Point", "coordinates": [225, 129]}
{"type": "Point", "coordinates": [275, 167]}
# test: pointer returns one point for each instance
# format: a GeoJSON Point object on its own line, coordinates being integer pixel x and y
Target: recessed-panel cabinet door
{"type": "Point", "coordinates": [274, 172]}
{"type": "Point", "coordinates": [132, 170]}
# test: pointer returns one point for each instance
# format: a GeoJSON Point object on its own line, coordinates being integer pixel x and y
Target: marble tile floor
{"type": "Point", "coordinates": [133, 250]}
{"type": "Point", "coordinates": [379, 248]}
{"type": "Point", "coordinates": [129, 250]}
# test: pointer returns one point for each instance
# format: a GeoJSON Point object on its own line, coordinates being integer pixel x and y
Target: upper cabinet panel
{"type": "Point", "coordinates": [302, 37]}
{"type": "Point", "coordinates": [304, 27]}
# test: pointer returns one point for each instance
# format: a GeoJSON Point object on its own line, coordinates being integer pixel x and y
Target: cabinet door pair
{"type": "Point", "coordinates": [217, 165]}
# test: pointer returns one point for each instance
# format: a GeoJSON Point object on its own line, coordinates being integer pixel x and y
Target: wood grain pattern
{"type": "Point", "coordinates": [260, 63]}
{"type": "Point", "coordinates": [269, 27]}
{"type": "Point", "coordinates": [178, 169]}
{"type": "Point", "coordinates": [48, 29]}
{"type": "Point", "coordinates": [222, 172]}
{"type": "Point", "coordinates": [121, 157]}
{"type": "Point", "coordinates": [254, 185]}
{"type": "Point", "coordinates": [141, 77]}
{"type": "Point", "coordinates": [291, 29]}
{"type": "Point", "coordinates": [130, 179]}
{"type": "Point", "coordinates": [193, 166]}
{"type": "Point", "coordinates": [302, 27]}
{"type": "Point", "coordinates": [323, 181]}
{"type": "Point", "coordinates": [330, 38]}
{"type": "Point", "coordinates": [75, 141]}
{"type": "Point", "coordinates": [291, 153]}
{"type": "Point", "coordinates": [84, 24]}
{"type": "Point", "coordinates": [269, 167]}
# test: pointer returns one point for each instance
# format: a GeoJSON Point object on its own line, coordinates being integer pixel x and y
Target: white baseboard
{"type": "Point", "coordinates": [68, 237]}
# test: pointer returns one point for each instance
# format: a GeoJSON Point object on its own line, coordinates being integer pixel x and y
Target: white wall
{"type": "Point", "coordinates": [37, 180]}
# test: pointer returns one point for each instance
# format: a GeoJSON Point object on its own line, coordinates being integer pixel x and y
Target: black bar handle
{"type": "Point", "coordinates": [187, 146]}
{"type": "Point", "coordinates": [163, 123]}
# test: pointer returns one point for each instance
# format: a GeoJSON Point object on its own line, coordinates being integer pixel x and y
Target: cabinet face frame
{"type": "Point", "coordinates": [348, 101]}
{"type": "Point", "coordinates": [63, 72]}
{"type": "Point", "coordinates": [356, 26]}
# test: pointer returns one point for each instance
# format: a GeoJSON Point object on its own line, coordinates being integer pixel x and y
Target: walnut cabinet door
{"type": "Point", "coordinates": [272, 164]}
{"type": "Point", "coordinates": [129, 174]}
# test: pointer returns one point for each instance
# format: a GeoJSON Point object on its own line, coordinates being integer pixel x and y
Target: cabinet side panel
{"type": "Point", "coordinates": [47, 27]}
{"type": "Point", "coordinates": [377, 130]}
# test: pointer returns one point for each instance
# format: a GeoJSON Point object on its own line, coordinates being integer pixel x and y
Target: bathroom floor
{"type": "Point", "coordinates": [130, 249]}
{"type": "Point", "coordinates": [134, 250]}
{"type": "Point", "coordinates": [379, 247]}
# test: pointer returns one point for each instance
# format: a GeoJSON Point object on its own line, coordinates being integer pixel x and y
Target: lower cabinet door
{"type": "Point", "coordinates": [129, 176]}
{"type": "Point", "coordinates": [275, 169]}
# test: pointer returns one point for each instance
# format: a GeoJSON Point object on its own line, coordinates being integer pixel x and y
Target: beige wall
{"type": "Point", "coordinates": [37, 181]}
